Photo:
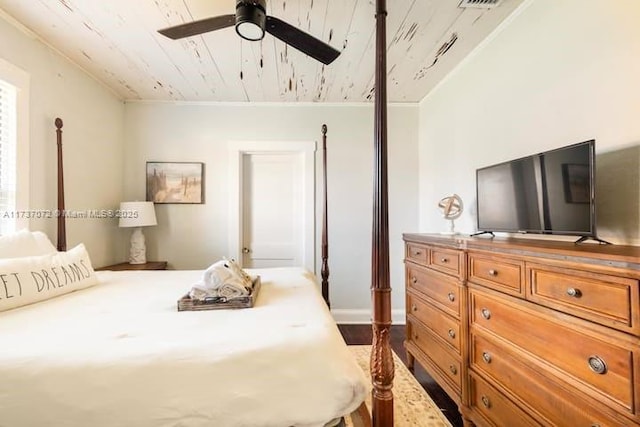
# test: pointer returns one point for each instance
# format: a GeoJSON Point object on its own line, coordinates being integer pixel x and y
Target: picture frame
{"type": "Point", "coordinates": [175, 182]}
{"type": "Point", "coordinates": [575, 179]}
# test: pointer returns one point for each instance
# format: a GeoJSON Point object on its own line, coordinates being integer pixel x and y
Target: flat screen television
{"type": "Point", "coordinates": [552, 192]}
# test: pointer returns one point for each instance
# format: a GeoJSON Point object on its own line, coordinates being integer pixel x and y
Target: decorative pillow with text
{"type": "Point", "coordinates": [31, 279]}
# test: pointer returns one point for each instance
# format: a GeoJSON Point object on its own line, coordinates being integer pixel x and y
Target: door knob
{"type": "Point", "coordinates": [246, 250]}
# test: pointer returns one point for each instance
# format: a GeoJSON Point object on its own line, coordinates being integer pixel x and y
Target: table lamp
{"type": "Point", "coordinates": [138, 215]}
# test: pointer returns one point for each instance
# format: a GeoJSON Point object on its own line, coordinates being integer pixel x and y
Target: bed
{"type": "Point", "coordinates": [120, 354]}
{"type": "Point", "coordinates": [64, 373]}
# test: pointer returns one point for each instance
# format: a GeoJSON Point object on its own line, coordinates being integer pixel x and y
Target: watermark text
{"type": "Point", "coordinates": [69, 213]}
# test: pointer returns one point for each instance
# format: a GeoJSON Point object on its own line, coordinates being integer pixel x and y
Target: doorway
{"type": "Point", "coordinates": [272, 204]}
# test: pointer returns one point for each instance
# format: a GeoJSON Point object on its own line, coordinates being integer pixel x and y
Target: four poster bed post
{"type": "Point", "coordinates": [324, 272]}
{"type": "Point", "coordinates": [62, 233]}
{"type": "Point", "coordinates": [382, 370]}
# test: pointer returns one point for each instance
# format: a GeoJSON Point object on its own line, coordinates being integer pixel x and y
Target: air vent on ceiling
{"type": "Point", "coordinates": [486, 4]}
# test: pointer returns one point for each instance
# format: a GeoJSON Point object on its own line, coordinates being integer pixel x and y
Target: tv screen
{"type": "Point", "coordinates": [546, 193]}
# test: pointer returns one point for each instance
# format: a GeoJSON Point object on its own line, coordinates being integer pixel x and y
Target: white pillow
{"type": "Point", "coordinates": [25, 243]}
{"type": "Point", "coordinates": [44, 244]}
{"type": "Point", "coordinates": [27, 280]}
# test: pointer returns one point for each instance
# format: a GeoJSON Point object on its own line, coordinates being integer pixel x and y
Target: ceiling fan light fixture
{"type": "Point", "coordinates": [251, 23]}
{"type": "Point", "coordinates": [250, 19]}
{"type": "Point", "coordinates": [249, 31]}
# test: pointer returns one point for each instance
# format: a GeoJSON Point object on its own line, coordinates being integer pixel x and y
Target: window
{"type": "Point", "coordinates": [7, 157]}
{"type": "Point", "coordinates": [14, 147]}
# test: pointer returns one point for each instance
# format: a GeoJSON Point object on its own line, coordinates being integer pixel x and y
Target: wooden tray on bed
{"type": "Point", "coordinates": [187, 304]}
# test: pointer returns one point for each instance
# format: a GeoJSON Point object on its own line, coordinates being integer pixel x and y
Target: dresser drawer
{"type": "Point", "coordinates": [417, 253]}
{"type": "Point", "coordinates": [499, 273]}
{"type": "Point", "coordinates": [448, 365]}
{"type": "Point", "coordinates": [440, 324]}
{"type": "Point", "coordinates": [441, 290]}
{"type": "Point", "coordinates": [495, 406]}
{"type": "Point", "coordinates": [446, 261]}
{"type": "Point", "coordinates": [605, 299]}
{"type": "Point", "coordinates": [590, 359]}
{"type": "Point", "coordinates": [546, 397]}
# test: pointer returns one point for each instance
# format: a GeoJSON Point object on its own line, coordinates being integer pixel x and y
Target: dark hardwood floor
{"type": "Point", "coordinates": [361, 335]}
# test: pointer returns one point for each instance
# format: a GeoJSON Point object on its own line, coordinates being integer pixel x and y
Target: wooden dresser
{"type": "Point", "coordinates": [526, 332]}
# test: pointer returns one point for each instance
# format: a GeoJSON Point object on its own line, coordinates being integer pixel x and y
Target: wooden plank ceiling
{"type": "Point", "coordinates": [117, 42]}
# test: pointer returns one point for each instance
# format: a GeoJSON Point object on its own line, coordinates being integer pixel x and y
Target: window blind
{"type": "Point", "coordinates": [8, 121]}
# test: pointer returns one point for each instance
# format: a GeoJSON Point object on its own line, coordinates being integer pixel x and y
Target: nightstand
{"type": "Point", "coordinates": [149, 265]}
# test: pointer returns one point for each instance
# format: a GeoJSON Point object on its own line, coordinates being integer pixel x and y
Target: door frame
{"type": "Point", "coordinates": [237, 149]}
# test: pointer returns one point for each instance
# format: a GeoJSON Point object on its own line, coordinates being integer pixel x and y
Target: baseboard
{"type": "Point", "coordinates": [363, 317]}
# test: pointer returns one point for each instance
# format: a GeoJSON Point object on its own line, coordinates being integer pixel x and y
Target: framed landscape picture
{"type": "Point", "coordinates": [175, 182]}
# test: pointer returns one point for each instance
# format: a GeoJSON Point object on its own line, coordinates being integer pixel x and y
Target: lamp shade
{"type": "Point", "coordinates": [137, 214]}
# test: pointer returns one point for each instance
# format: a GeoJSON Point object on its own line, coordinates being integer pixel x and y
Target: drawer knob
{"type": "Point", "coordinates": [493, 272]}
{"type": "Point", "coordinates": [485, 401]}
{"type": "Point", "coordinates": [444, 260]}
{"type": "Point", "coordinates": [415, 336]}
{"type": "Point", "coordinates": [486, 313]}
{"type": "Point", "coordinates": [573, 292]}
{"type": "Point", "coordinates": [414, 307]}
{"type": "Point", "coordinates": [452, 333]}
{"type": "Point", "coordinates": [417, 253]}
{"type": "Point", "coordinates": [597, 365]}
{"type": "Point", "coordinates": [595, 425]}
{"type": "Point", "coordinates": [451, 296]}
{"type": "Point", "coordinates": [486, 356]}
{"type": "Point", "coordinates": [453, 369]}
{"type": "Point", "coordinates": [414, 280]}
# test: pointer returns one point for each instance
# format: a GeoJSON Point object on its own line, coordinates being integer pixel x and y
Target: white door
{"type": "Point", "coordinates": [272, 203]}
{"type": "Point", "coordinates": [272, 208]}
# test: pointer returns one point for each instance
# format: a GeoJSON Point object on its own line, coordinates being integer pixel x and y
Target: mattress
{"type": "Point", "coordinates": [120, 354]}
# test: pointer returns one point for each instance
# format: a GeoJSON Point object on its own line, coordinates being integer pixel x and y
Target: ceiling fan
{"type": "Point", "coordinates": [251, 22]}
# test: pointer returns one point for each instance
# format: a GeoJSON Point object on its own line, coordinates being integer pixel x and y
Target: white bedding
{"type": "Point", "coordinates": [120, 354]}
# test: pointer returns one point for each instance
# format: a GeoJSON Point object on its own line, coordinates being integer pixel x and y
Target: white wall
{"type": "Point", "coordinates": [557, 73]}
{"type": "Point", "coordinates": [92, 140]}
{"type": "Point", "coordinates": [194, 236]}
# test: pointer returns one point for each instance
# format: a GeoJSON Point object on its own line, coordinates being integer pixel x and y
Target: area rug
{"type": "Point", "coordinates": [412, 406]}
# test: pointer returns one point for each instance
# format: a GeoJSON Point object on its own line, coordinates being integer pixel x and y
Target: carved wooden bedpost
{"type": "Point", "coordinates": [382, 369]}
{"type": "Point", "coordinates": [325, 238]}
{"type": "Point", "coordinates": [62, 239]}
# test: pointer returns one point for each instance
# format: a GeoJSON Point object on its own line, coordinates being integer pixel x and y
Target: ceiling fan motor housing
{"type": "Point", "coordinates": [250, 19]}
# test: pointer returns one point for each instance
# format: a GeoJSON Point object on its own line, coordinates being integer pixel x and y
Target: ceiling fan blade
{"type": "Point", "coordinates": [300, 40]}
{"type": "Point", "coordinates": [198, 27]}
